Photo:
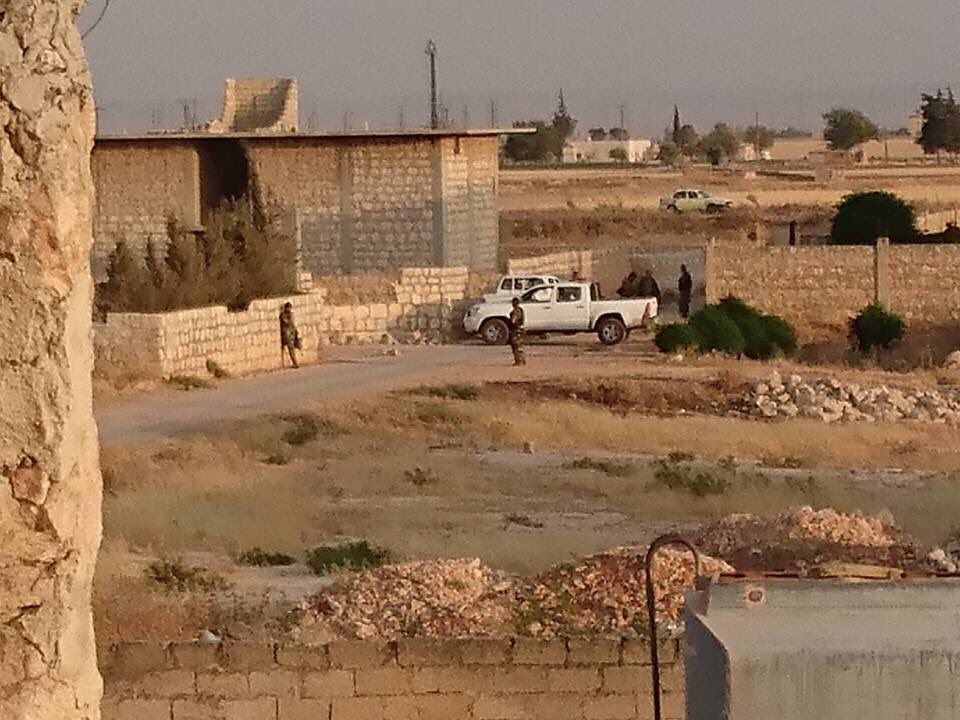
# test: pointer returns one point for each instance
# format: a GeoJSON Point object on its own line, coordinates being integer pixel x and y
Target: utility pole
{"type": "Point", "coordinates": [623, 116]}
{"type": "Point", "coordinates": [756, 136]}
{"type": "Point", "coordinates": [402, 116]}
{"type": "Point", "coordinates": [346, 121]}
{"type": "Point", "coordinates": [493, 113]}
{"type": "Point", "coordinates": [466, 116]}
{"type": "Point", "coordinates": [434, 109]}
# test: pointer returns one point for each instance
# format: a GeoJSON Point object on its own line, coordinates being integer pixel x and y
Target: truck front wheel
{"type": "Point", "coordinates": [611, 331]}
{"type": "Point", "coordinates": [495, 332]}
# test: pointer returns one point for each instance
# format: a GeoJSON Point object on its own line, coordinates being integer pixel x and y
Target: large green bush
{"type": "Point", "coordinates": [781, 333]}
{"type": "Point", "coordinates": [865, 216]}
{"type": "Point", "coordinates": [717, 332]}
{"type": "Point", "coordinates": [875, 327]}
{"type": "Point", "coordinates": [675, 337]}
{"type": "Point", "coordinates": [241, 255]}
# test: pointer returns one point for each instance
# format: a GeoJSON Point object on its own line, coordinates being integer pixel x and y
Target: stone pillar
{"type": "Point", "coordinates": [881, 271]}
{"type": "Point", "coordinates": [50, 488]}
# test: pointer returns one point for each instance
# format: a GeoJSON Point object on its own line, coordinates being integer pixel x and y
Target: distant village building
{"type": "Point", "coordinates": [358, 202]}
{"type": "Point", "coordinates": [587, 150]}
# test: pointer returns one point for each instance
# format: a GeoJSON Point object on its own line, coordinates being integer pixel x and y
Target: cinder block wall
{"type": "Point", "coordinates": [829, 284]}
{"type": "Point", "coordinates": [424, 305]}
{"type": "Point", "coordinates": [139, 185]}
{"type": "Point", "coordinates": [409, 680]}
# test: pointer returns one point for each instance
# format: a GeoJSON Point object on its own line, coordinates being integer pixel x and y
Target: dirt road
{"type": "Point", "coordinates": [352, 373]}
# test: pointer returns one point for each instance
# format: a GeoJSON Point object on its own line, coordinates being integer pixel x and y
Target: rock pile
{"type": "Point", "coordinates": [832, 401]}
{"type": "Point", "coordinates": [606, 594]}
{"type": "Point", "coordinates": [798, 540]}
{"type": "Point", "coordinates": [436, 598]}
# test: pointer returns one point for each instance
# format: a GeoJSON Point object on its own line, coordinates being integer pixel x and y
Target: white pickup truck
{"type": "Point", "coordinates": [565, 308]}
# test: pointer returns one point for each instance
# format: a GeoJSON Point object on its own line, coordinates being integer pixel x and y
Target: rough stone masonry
{"type": "Point", "coordinates": [50, 487]}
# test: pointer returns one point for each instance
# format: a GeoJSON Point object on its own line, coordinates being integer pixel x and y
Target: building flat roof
{"type": "Point", "coordinates": [347, 135]}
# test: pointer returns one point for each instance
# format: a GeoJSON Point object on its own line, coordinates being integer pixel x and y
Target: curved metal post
{"type": "Point", "coordinates": [655, 547]}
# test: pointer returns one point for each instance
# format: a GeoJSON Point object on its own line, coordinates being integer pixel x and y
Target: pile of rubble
{"type": "Point", "coordinates": [437, 598]}
{"type": "Point", "coordinates": [831, 401]}
{"type": "Point", "coordinates": [804, 538]}
{"type": "Point", "coordinates": [606, 594]}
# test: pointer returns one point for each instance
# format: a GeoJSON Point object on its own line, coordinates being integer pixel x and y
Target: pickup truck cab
{"type": "Point", "coordinates": [566, 308]}
{"type": "Point", "coordinates": [511, 286]}
{"type": "Point", "coordinates": [688, 200]}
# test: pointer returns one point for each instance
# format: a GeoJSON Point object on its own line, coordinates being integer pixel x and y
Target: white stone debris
{"type": "Point", "coordinates": [832, 401]}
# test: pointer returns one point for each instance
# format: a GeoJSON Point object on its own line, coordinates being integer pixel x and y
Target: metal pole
{"type": "Point", "coordinates": [434, 113]}
{"type": "Point", "coordinates": [659, 543]}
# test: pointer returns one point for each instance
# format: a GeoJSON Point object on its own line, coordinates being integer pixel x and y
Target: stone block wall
{"type": "Point", "coordinates": [259, 105]}
{"type": "Point", "coordinates": [424, 305]}
{"type": "Point", "coordinates": [139, 185]}
{"type": "Point", "coordinates": [408, 680]}
{"type": "Point", "coordinates": [923, 282]}
{"type": "Point", "coordinates": [827, 285]}
{"type": "Point", "coordinates": [470, 212]}
{"type": "Point", "coordinates": [561, 264]}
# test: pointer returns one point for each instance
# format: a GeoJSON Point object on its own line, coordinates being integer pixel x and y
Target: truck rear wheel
{"type": "Point", "coordinates": [495, 332]}
{"type": "Point", "coordinates": [611, 331]}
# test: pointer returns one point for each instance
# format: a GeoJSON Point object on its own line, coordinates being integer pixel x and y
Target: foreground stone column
{"type": "Point", "coordinates": [49, 476]}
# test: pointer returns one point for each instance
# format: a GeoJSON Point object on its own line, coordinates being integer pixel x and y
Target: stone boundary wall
{"type": "Point", "coordinates": [427, 305]}
{"type": "Point", "coordinates": [936, 222]}
{"type": "Point", "coordinates": [517, 679]}
{"type": "Point", "coordinates": [560, 264]}
{"type": "Point", "coordinates": [826, 285]}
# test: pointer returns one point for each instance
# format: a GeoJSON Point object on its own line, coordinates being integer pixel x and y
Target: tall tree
{"type": "Point", "coordinates": [563, 127]}
{"type": "Point", "coordinates": [941, 123]}
{"type": "Point", "coordinates": [720, 144]}
{"type": "Point", "coordinates": [688, 141]}
{"type": "Point", "coordinates": [620, 134]}
{"type": "Point", "coordinates": [676, 126]}
{"type": "Point", "coordinates": [846, 128]}
{"type": "Point", "coordinates": [535, 147]}
{"type": "Point", "coordinates": [759, 136]}
{"type": "Point", "coordinates": [50, 497]}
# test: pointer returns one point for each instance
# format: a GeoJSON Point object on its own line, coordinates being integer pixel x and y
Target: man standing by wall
{"type": "Point", "coordinates": [685, 288]}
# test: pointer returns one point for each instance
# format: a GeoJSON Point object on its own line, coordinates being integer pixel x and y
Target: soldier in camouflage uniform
{"type": "Point", "coordinates": [289, 336]}
{"type": "Point", "coordinates": [517, 333]}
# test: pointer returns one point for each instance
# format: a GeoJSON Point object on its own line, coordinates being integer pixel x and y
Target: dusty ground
{"type": "Point", "coordinates": [521, 469]}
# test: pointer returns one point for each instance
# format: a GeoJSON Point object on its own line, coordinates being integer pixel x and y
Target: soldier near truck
{"type": "Point", "coordinates": [685, 288]}
{"type": "Point", "coordinates": [517, 333]}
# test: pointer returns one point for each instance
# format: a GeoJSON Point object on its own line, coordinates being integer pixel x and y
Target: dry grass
{"type": "Point", "coordinates": [214, 494]}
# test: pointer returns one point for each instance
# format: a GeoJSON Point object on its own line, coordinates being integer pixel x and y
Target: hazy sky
{"type": "Point", "coordinates": [719, 59]}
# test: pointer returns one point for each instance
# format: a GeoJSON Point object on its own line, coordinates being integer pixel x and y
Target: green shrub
{"type": "Point", "coordinates": [189, 382]}
{"type": "Point", "coordinates": [453, 391]}
{"type": "Point", "coordinates": [683, 478]}
{"type": "Point", "coordinates": [438, 413]}
{"type": "Point", "coordinates": [304, 431]}
{"type": "Point", "coordinates": [675, 337]}
{"type": "Point", "coordinates": [176, 576]}
{"type": "Point", "coordinates": [356, 555]}
{"type": "Point", "coordinates": [865, 216]}
{"type": "Point", "coordinates": [781, 333]}
{"type": "Point", "coordinates": [607, 467]}
{"type": "Point", "coordinates": [875, 327]}
{"type": "Point", "coordinates": [215, 369]}
{"type": "Point", "coordinates": [716, 331]}
{"type": "Point", "coordinates": [256, 557]}
{"type": "Point", "coordinates": [420, 477]}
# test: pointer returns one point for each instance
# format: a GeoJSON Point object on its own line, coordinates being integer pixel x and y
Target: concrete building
{"type": "Point", "coordinates": [585, 150]}
{"type": "Point", "coordinates": [369, 201]}
{"type": "Point", "coordinates": [259, 105]}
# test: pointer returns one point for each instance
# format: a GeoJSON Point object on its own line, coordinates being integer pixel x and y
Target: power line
{"type": "Point", "coordinates": [100, 17]}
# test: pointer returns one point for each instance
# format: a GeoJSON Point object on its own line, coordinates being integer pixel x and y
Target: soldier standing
{"type": "Point", "coordinates": [685, 286]}
{"type": "Point", "coordinates": [289, 335]}
{"type": "Point", "coordinates": [517, 333]}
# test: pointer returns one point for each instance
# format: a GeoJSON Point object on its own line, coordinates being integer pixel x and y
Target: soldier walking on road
{"type": "Point", "coordinates": [685, 286]}
{"type": "Point", "coordinates": [289, 336]}
{"type": "Point", "coordinates": [517, 333]}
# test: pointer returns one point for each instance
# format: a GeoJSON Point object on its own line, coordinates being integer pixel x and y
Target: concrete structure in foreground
{"type": "Point", "coordinates": [829, 650]}
{"type": "Point", "coordinates": [373, 201]}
